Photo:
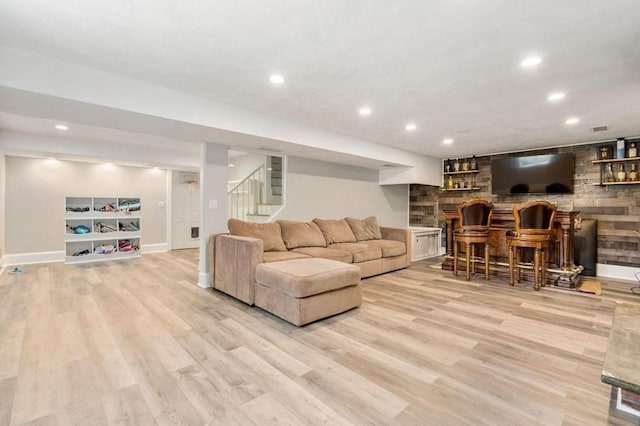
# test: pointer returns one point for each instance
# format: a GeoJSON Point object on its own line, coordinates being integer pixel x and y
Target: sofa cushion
{"type": "Point", "coordinates": [335, 230]}
{"type": "Point", "coordinates": [390, 248]}
{"type": "Point", "coordinates": [326, 253]}
{"type": "Point", "coordinates": [277, 256]}
{"type": "Point", "coordinates": [307, 277]}
{"type": "Point", "coordinates": [301, 234]}
{"type": "Point", "coordinates": [365, 229]}
{"type": "Point", "coordinates": [269, 233]}
{"type": "Point", "coordinates": [361, 252]}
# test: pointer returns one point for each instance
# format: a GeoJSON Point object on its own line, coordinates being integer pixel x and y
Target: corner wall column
{"type": "Point", "coordinates": [214, 162]}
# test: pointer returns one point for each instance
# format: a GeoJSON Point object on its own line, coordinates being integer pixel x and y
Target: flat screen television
{"type": "Point", "coordinates": [536, 174]}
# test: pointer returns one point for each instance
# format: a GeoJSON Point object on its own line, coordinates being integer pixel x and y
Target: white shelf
{"type": "Point", "coordinates": [96, 220]}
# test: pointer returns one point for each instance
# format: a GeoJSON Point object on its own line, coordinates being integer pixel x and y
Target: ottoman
{"type": "Point", "coordinates": [301, 291]}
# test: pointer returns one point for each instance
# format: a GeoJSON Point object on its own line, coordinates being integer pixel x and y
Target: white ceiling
{"type": "Point", "coordinates": [450, 66]}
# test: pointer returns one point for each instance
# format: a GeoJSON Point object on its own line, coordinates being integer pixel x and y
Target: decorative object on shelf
{"type": "Point", "coordinates": [605, 152]}
{"type": "Point", "coordinates": [474, 163]}
{"type": "Point", "coordinates": [633, 173]}
{"type": "Point", "coordinates": [456, 165]}
{"type": "Point", "coordinates": [633, 151]}
{"type": "Point", "coordinates": [447, 166]}
{"type": "Point", "coordinates": [620, 148]}
{"type": "Point", "coordinates": [622, 175]}
{"type": "Point", "coordinates": [610, 176]}
{"type": "Point", "coordinates": [462, 183]}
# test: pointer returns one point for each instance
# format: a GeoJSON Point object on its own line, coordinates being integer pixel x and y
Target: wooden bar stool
{"type": "Point", "coordinates": [474, 218]}
{"type": "Point", "coordinates": [534, 229]}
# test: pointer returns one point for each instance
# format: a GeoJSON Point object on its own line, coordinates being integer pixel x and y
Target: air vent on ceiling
{"type": "Point", "coordinates": [600, 128]}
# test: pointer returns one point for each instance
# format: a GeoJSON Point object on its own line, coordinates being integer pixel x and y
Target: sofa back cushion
{"type": "Point", "coordinates": [300, 234]}
{"type": "Point", "coordinates": [269, 233]}
{"type": "Point", "coordinates": [335, 230]}
{"type": "Point", "coordinates": [365, 229]}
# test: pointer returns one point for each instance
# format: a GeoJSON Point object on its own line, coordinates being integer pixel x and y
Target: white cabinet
{"type": "Point", "coordinates": [102, 228]}
{"type": "Point", "coordinates": [425, 242]}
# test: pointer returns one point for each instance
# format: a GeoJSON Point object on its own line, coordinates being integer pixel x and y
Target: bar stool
{"type": "Point", "coordinates": [474, 218]}
{"type": "Point", "coordinates": [534, 229]}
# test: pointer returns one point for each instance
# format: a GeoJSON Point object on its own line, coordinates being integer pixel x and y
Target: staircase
{"type": "Point", "coordinates": [258, 197]}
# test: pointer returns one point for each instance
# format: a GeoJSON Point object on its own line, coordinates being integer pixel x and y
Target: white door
{"type": "Point", "coordinates": [185, 211]}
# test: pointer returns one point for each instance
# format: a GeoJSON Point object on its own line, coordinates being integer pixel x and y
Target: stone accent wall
{"type": "Point", "coordinates": [615, 207]}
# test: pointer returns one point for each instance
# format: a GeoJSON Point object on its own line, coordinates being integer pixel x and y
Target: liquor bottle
{"type": "Point", "coordinates": [462, 183]}
{"type": "Point", "coordinates": [633, 151]}
{"type": "Point", "coordinates": [456, 165]}
{"type": "Point", "coordinates": [447, 166]}
{"type": "Point", "coordinates": [609, 176]}
{"type": "Point", "coordinates": [465, 165]}
{"type": "Point", "coordinates": [450, 182]}
{"type": "Point", "coordinates": [474, 163]}
{"type": "Point", "coordinates": [622, 175]}
{"type": "Point", "coordinates": [633, 173]}
{"type": "Point", "coordinates": [604, 153]}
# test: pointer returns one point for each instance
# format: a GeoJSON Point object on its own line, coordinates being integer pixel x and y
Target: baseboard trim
{"type": "Point", "coordinates": [58, 256]}
{"type": "Point", "coordinates": [38, 257]}
{"type": "Point", "coordinates": [203, 280]}
{"type": "Point", "coordinates": [155, 248]}
{"type": "Point", "coordinates": [616, 271]}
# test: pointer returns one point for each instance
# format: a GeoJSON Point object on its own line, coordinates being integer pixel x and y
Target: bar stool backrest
{"type": "Point", "coordinates": [475, 215]}
{"type": "Point", "coordinates": [534, 217]}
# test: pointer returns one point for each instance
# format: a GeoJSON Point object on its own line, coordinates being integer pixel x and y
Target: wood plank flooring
{"type": "Point", "coordinates": [138, 343]}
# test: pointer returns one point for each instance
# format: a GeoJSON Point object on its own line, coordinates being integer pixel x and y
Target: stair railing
{"type": "Point", "coordinates": [244, 198]}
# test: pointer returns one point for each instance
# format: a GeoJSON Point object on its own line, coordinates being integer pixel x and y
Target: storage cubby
{"type": "Point", "coordinates": [102, 228]}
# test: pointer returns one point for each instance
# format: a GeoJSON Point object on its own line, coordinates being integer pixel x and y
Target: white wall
{"type": "Point", "coordinates": [36, 191]}
{"type": "Point", "coordinates": [329, 190]}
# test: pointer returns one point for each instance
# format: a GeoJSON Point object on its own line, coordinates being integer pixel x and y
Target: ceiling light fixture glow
{"type": "Point", "coordinates": [231, 165]}
{"type": "Point", "coordinates": [572, 120]}
{"type": "Point", "coordinates": [61, 127]}
{"type": "Point", "coordinates": [447, 141]}
{"type": "Point", "coordinates": [410, 127]}
{"type": "Point", "coordinates": [364, 111]}
{"type": "Point", "coordinates": [531, 61]}
{"type": "Point", "coordinates": [276, 79]}
{"type": "Point", "coordinates": [555, 96]}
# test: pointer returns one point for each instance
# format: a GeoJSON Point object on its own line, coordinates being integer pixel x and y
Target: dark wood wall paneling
{"type": "Point", "coordinates": [616, 208]}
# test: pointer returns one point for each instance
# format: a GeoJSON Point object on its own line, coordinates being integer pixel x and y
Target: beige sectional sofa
{"type": "Point", "coordinates": [361, 242]}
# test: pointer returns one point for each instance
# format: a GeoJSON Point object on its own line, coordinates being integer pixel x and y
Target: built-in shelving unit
{"type": "Point", "coordinates": [459, 175]}
{"type": "Point", "coordinates": [609, 176]}
{"type": "Point", "coordinates": [102, 228]}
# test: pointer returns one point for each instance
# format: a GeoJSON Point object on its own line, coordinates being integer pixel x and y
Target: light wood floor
{"type": "Point", "coordinates": [136, 342]}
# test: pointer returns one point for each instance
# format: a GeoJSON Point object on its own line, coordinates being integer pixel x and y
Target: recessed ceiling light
{"type": "Point", "coordinates": [572, 120]}
{"type": "Point", "coordinates": [276, 79]}
{"type": "Point", "coordinates": [531, 61]}
{"type": "Point", "coordinates": [364, 111]}
{"type": "Point", "coordinates": [61, 127]}
{"type": "Point", "coordinates": [410, 127]}
{"type": "Point", "coordinates": [555, 96]}
{"type": "Point", "coordinates": [447, 141]}
{"type": "Point", "coordinates": [231, 165]}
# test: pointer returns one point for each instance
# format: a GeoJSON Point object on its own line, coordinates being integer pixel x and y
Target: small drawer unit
{"type": "Point", "coordinates": [425, 242]}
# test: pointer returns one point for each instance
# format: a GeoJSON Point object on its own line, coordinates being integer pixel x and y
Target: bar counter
{"type": "Point", "coordinates": [561, 269]}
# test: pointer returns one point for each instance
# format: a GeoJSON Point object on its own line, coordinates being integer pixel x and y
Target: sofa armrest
{"type": "Point", "coordinates": [234, 265]}
{"type": "Point", "coordinates": [398, 234]}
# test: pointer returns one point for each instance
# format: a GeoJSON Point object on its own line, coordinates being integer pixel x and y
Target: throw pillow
{"type": "Point", "coordinates": [269, 233]}
{"type": "Point", "coordinates": [335, 230]}
{"type": "Point", "coordinates": [300, 234]}
{"type": "Point", "coordinates": [365, 229]}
